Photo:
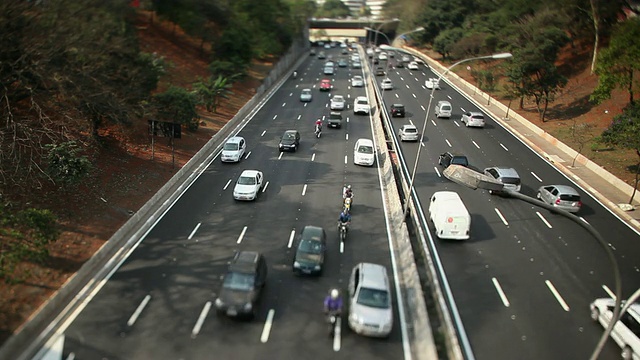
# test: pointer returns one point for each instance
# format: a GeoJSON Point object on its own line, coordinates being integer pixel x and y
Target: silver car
{"type": "Point", "coordinates": [306, 95]}
{"type": "Point", "coordinates": [409, 132]}
{"type": "Point", "coordinates": [507, 176]}
{"type": "Point", "coordinates": [370, 309]}
{"type": "Point", "coordinates": [357, 81]}
{"type": "Point", "coordinates": [560, 196]}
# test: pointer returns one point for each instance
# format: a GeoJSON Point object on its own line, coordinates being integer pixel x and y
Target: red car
{"type": "Point", "coordinates": [325, 85]}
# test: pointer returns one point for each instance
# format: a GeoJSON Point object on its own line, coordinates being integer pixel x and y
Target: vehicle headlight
{"type": "Point", "coordinates": [355, 318]}
{"type": "Point", "coordinates": [296, 264]}
{"type": "Point", "coordinates": [280, 144]}
{"type": "Point", "coordinates": [248, 306]}
{"type": "Point", "coordinates": [317, 267]}
{"type": "Point", "coordinates": [219, 302]}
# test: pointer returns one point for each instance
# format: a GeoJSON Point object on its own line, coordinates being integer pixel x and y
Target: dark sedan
{"type": "Point", "coordinates": [309, 257]}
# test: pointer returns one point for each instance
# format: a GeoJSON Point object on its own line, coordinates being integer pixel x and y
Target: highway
{"type": "Point", "coordinates": [524, 280]}
{"type": "Point", "coordinates": [159, 302]}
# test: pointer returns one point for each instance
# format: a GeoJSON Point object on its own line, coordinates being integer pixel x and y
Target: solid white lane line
{"type": "Point", "coordinates": [557, 295]}
{"type": "Point", "coordinates": [544, 220]}
{"type": "Point", "coordinates": [244, 230]}
{"type": "Point", "coordinates": [313, 157]}
{"type": "Point", "coordinates": [267, 326]}
{"type": "Point", "coordinates": [264, 132]}
{"type": "Point", "coordinates": [504, 221]}
{"type": "Point", "coordinates": [265, 186]}
{"type": "Point", "coordinates": [504, 147]}
{"type": "Point", "coordinates": [203, 315]}
{"type": "Point", "coordinates": [346, 137]}
{"type": "Point", "coordinates": [248, 154]}
{"type": "Point", "coordinates": [134, 316]}
{"type": "Point", "coordinates": [227, 185]}
{"type": "Point", "coordinates": [536, 176]}
{"type": "Point", "coordinates": [337, 334]}
{"type": "Point", "coordinates": [448, 143]}
{"type": "Point", "coordinates": [293, 234]}
{"type": "Point", "coordinates": [609, 292]}
{"type": "Point", "coordinates": [474, 143]}
{"type": "Point", "coordinates": [194, 231]}
{"type": "Point", "coordinates": [505, 301]}
{"type": "Point", "coordinates": [280, 156]}
{"type": "Point", "coordinates": [345, 159]}
{"type": "Point", "coordinates": [304, 189]}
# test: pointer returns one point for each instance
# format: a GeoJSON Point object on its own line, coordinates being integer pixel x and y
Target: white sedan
{"type": "Point", "coordinates": [386, 84]}
{"type": "Point", "coordinates": [383, 56]}
{"type": "Point", "coordinates": [357, 81]}
{"type": "Point", "coordinates": [413, 66]}
{"type": "Point", "coordinates": [432, 83]}
{"type": "Point", "coordinates": [625, 331]}
{"type": "Point", "coordinates": [337, 102]}
{"type": "Point", "coordinates": [248, 185]}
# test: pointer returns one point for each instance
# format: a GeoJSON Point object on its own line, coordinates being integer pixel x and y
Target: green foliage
{"type": "Point", "coordinates": [618, 63]}
{"type": "Point", "coordinates": [334, 9]}
{"type": "Point", "coordinates": [485, 78]}
{"type": "Point", "coordinates": [624, 129]}
{"type": "Point", "coordinates": [178, 105]}
{"type": "Point", "coordinates": [235, 44]}
{"type": "Point", "coordinates": [65, 163]}
{"type": "Point", "coordinates": [210, 91]}
{"type": "Point", "coordinates": [229, 69]}
{"type": "Point", "coordinates": [444, 42]}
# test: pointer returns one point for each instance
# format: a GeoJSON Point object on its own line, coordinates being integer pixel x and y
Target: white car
{"type": "Point", "coordinates": [386, 84]}
{"type": "Point", "coordinates": [383, 56]}
{"type": "Point", "coordinates": [626, 331]}
{"type": "Point", "coordinates": [473, 118]}
{"type": "Point", "coordinates": [248, 185]}
{"type": "Point", "coordinates": [408, 132]}
{"type": "Point", "coordinates": [364, 152]}
{"type": "Point", "coordinates": [413, 66]}
{"type": "Point", "coordinates": [233, 150]}
{"type": "Point", "coordinates": [361, 105]}
{"type": "Point", "coordinates": [357, 81]}
{"type": "Point", "coordinates": [432, 83]}
{"type": "Point", "coordinates": [406, 58]}
{"type": "Point", "coordinates": [306, 95]}
{"type": "Point", "coordinates": [337, 102]}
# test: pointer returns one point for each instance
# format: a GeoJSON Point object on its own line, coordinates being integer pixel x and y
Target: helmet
{"type": "Point", "coordinates": [334, 293]}
{"type": "Point", "coordinates": [349, 186]}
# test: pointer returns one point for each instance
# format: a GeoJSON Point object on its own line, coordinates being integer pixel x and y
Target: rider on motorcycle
{"type": "Point", "coordinates": [347, 192]}
{"type": "Point", "coordinates": [333, 303]}
{"type": "Point", "coordinates": [345, 218]}
{"type": "Point", "coordinates": [318, 126]}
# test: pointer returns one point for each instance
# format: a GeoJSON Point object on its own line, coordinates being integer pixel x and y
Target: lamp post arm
{"type": "Point", "coordinates": [607, 249]}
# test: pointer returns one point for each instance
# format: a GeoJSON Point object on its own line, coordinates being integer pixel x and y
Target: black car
{"type": "Point", "coordinates": [290, 140]}
{"type": "Point", "coordinates": [242, 285]}
{"type": "Point", "coordinates": [335, 120]}
{"type": "Point", "coordinates": [309, 257]}
{"type": "Point", "coordinates": [397, 110]}
{"type": "Point", "coordinates": [379, 71]}
{"type": "Point", "coordinates": [343, 63]}
{"type": "Point", "coordinates": [449, 158]}
{"type": "Point", "coordinates": [399, 64]}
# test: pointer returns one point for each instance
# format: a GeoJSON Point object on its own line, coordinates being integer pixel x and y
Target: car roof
{"type": "Point", "coordinates": [373, 276]}
{"type": "Point", "coordinates": [565, 189]}
{"type": "Point", "coordinates": [235, 139]}
{"type": "Point", "coordinates": [475, 113]}
{"type": "Point", "coordinates": [362, 98]}
{"type": "Point", "coordinates": [337, 96]}
{"type": "Point", "coordinates": [397, 105]}
{"type": "Point", "coordinates": [409, 126]}
{"type": "Point", "coordinates": [311, 232]}
{"type": "Point", "coordinates": [505, 171]}
{"type": "Point", "coordinates": [454, 154]}
{"type": "Point", "coordinates": [249, 173]}
{"type": "Point", "coordinates": [306, 89]}
{"type": "Point", "coordinates": [245, 261]}
{"type": "Point", "coordinates": [364, 141]}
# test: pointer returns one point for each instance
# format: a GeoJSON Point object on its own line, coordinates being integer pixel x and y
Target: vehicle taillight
{"type": "Point", "coordinates": [558, 202]}
{"type": "Point", "coordinates": [579, 204]}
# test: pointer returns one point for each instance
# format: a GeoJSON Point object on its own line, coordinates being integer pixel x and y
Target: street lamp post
{"type": "Point", "coordinates": [426, 118]}
{"type": "Point", "coordinates": [472, 179]}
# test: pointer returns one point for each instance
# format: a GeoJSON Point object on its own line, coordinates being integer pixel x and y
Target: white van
{"type": "Point", "coordinates": [443, 109]}
{"type": "Point", "coordinates": [449, 216]}
{"type": "Point", "coordinates": [364, 152]}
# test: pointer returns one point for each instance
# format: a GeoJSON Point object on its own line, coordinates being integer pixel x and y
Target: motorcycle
{"type": "Point", "coordinates": [295, 74]}
{"type": "Point", "coordinates": [333, 322]}
{"type": "Point", "coordinates": [318, 131]}
{"type": "Point", "coordinates": [343, 227]}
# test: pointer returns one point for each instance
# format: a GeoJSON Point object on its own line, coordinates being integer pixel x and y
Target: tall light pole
{"type": "Point", "coordinates": [472, 179]}
{"type": "Point", "coordinates": [426, 118]}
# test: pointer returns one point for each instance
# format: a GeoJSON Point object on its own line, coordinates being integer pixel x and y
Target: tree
{"type": "Point", "coordinates": [210, 91]}
{"type": "Point", "coordinates": [445, 42]}
{"type": "Point", "coordinates": [618, 63]}
{"type": "Point", "coordinates": [623, 132]}
{"type": "Point", "coordinates": [179, 106]}
{"type": "Point", "coordinates": [581, 135]}
{"type": "Point", "coordinates": [334, 9]}
{"type": "Point", "coordinates": [66, 164]}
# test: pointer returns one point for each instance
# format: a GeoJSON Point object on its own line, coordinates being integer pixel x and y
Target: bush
{"type": "Point", "coordinates": [65, 164]}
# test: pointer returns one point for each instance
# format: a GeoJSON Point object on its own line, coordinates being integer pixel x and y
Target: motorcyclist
{"type": "Point", "coordinates": [347, 192]}
{"type": "Point", "coordinates": [318, 126]}
{"type": "Point", "coordinates": [345, 218]}
{"type": "Point", "coordinates": [333, 303]}
{"type": "Point", "coordinates": [295, 74]}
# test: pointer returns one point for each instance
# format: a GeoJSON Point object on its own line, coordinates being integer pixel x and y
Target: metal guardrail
{"type": "Point", "coordinates": [36, 334]}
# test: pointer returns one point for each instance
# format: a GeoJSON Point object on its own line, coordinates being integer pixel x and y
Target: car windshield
{"type": "Point", "coordinates": [460, 161]}
{"type": "Point", "coordinates": [289, 136]}
{"type": "Point", "coordinates": [338, 98]}
{"type": "Point", "coordinates": [363, 102]}
{"type": "Point", "coordinates": [306, 92]}
{"type": "Point", "coordinates": [373, 298]}
{"type": "Point", "coordinates": [310, 246]}
{"type": "Point", "coordinates": [231, 146]}
{"type": "Point", "coordinates": [247, 180]}
{"type": "Point", "coordinates": [238, 281]}
{"type": "Point", "coordinates": [365, 149]}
